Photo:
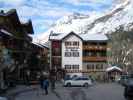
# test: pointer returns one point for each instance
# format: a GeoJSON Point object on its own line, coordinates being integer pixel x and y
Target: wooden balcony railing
{"type": "Point", "coordinates": [94, 47]}
{"type": "Point", "coordinates": [85, 71]}
{"type": "Point", "coordinates": [97, 59]}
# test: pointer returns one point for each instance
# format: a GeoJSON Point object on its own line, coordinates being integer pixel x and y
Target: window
{"type": "Point", "coordinates": [56, 52]}
{"type": "Point", "coordinates": [85, 78]}
{"type": "Point", "coordinates": [75, 43]}
{"type": "Point", "coordinates": [101, 66]}
{"type": "Point", "coordinates": [90, 66]}
{"type": "Point", "coordinates": [56, 61]}
{"type": "Point", "coordinates": [71, 66]}
{"type": "Point", "coordinates": [75, 66]}
{"type": "Point", "coordinates": [75, 54]}
{"type": "Point", "coordinates": [67, 66]}
{"type": "Point", "coordinates": [67, 54]}
{"type": "Point", "coordinates": [68, 43]}
{"type": "Point", "coordinates": [79, 78]}
{"type": "Point", "coordinates": [97, 67]}
{"type": "Point", "coordinates": [56, 44]}
{"type": "Point", "coordinates": [71, 54]}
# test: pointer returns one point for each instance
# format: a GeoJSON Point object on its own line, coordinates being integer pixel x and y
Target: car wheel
{"type": "Point", "coordinates": [68, 84]}
{"type": "Point", "coordinates": [86, 85]}
{"type": "Point", "coordinates": [125, 93]}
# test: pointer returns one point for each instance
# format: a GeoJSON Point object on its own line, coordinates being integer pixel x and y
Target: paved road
{"type": "Point", "coordinates": [110, 91]}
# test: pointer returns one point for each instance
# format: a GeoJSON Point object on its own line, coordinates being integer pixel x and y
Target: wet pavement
{"type": "Point", "coordinates": [108, 91]}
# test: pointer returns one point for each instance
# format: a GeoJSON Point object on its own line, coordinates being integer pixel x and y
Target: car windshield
{"type": "Point", "coordinates": [124, 77]}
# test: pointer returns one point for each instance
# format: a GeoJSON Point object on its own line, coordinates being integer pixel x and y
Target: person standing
{"type": "Point", "coordinates": [52, 81]}
{"type": "Point", "coordinates": [45, 85]}
{"type": "Point", "coordinates": [41, 81]}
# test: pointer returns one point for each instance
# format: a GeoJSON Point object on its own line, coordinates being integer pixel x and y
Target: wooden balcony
{"type": "Point", "coordinates": [94, 59]}
{"type": "Point", "coordinates": [94, 47]}
{"type": "Point", "coordinates": [85, 71]}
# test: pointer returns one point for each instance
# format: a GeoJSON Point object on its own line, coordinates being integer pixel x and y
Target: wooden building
{"type": "Point", "coordinates": [15, 38]}
{"type": "Point", "coordinates": [37, 61]}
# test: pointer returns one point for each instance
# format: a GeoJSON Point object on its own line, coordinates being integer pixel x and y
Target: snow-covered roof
{"type": "Point", "coordinates": [85, 37]}
{"type": "Point", "coordinates": [37, 44]}
{"type": "Point", "coordinates": [6, 32]}
{"type": "Point", "coordinates": [41, 45]}
{"type": "Point", "coordinates": [113, 68]}
{"type": "Point", "coordinates": [92, 37]}
{"type": "Point", "coordinates": [58, 36]}
{"type": "Point", "coordinates": [44, 46]}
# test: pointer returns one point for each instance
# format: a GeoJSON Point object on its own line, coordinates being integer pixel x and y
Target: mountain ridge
{"type": "Point", "coordinates": [105, 23]}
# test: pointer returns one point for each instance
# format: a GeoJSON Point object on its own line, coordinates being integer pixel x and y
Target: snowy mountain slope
{"type": "Point", "coordinates": [95, 23]}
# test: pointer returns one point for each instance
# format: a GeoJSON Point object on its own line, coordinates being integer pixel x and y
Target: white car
{"type": "Point", "coordinates": [3, 98]}
{"type": "Point", "coordinates": [79, 81]}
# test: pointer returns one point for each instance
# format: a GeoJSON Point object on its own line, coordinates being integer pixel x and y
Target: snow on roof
{"type": "Point", "coordinates": [113, 68]}
{"type": "Point", "coordinates": [91, 37]}
{"type": "Point", "coordinates": [44, 46]}
{"type": "Point", "coordinates": [58, 36]}
{"type": "Point", "coordinates": [41, 45]}
{"type": "Point", "coordinates": [85, 37]}
{"type": "Point", "coordinates": [6, 32]}
{"type": "Point", "coordinates": [37, 44]}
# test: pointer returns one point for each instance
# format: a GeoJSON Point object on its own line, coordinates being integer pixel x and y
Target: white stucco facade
{"type": "Point", "coordinates": [71, 60]}
{"type": "Point", "coordinates": [80, 55]}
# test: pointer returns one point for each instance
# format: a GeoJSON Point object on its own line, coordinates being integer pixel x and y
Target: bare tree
{"type": "Point", "coordinates": [121, 45]}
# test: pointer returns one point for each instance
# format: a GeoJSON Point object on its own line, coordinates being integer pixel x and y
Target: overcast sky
{"type": "Point", "coordinates": [45, 12]}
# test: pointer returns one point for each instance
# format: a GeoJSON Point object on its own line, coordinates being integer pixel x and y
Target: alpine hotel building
{"type": "Point", "coordinates": [79, 54]}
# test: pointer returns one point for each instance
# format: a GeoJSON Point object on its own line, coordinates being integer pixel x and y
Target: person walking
{"type": "Point", "coordinates": [45, 85]}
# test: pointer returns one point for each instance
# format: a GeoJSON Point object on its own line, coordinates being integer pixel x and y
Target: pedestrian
{"type": "Point", "coordinates": [45, 85]}
{"type": "Point", "coordinates": [41, 81]}
{"type": "Point", "coordinates": [52, 82]}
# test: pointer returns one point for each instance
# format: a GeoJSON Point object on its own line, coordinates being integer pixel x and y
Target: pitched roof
{"type": "Point", "coordinates": [14, 19]}
{"type": "Point", "coordinates": [84, 37]}
{"type": "Point", "coordinates": [57, 36]}
{"type": "Point", "coordinates": [71, 33]}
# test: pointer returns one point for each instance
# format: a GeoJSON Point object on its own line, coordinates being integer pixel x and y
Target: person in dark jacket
{"type": "Point", "coordinates": [41, 81]}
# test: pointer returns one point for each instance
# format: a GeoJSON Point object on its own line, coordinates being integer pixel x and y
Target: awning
{"type": "Point", "coordinates": [113, 68]}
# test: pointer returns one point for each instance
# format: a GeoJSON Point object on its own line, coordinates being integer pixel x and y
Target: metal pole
{"type": "Point", "coordinates": [1, 80]}
{"type": "Point", "coordinates": [50, 55]}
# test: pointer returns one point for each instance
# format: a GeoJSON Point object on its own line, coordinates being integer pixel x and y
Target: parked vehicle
{"type": "Point", "coordinates": [79, 81]}
{"type": "Point", "coordinates": [128, 91]}
{"type": "Point", "coordinates": [123, 79]}
{"type": "Point", "coordinates": [3, 98]}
